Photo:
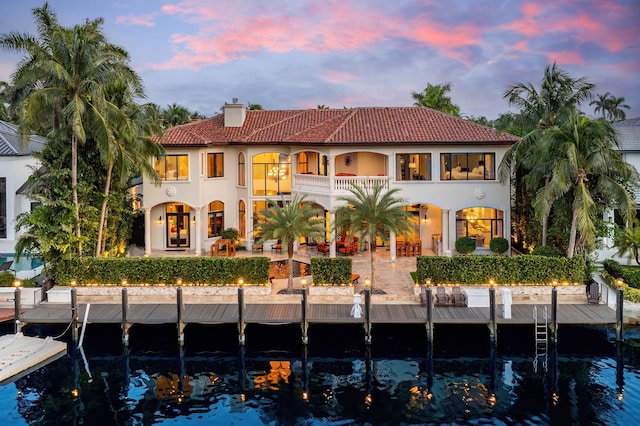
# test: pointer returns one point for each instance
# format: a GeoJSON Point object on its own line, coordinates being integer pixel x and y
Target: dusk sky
{"type": "Point", "coordinates": [346, 53]}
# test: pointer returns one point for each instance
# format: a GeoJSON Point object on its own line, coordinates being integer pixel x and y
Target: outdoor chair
{"type": "Point", "coordinates": [459, 298]}
{"type": "Point", "coordinates": [442, 298]}
{"type": "Point", "coordinates": [6, 266]}
{"type": "Point", "coordinates": [257, 246]}
{"type": "Point", "coordinates": [277, 247]}
{"type": "Point", "coordinates": [593, 296]}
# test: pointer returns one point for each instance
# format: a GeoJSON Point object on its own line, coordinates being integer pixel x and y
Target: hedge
{"type": "Point", "coordinates": [331, 271]}
{"type": "Point", "coordinates": [529, 269]}
{"type": "Point", "coordinates": [163, 270]}
{"type": "Point", "coordinates": [630, 274]}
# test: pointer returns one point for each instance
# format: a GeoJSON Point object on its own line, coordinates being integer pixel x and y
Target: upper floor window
{"type": "Point", "coordinates": [242, 173]}
{"type": "Point", "coordinates": [413, 166]}
{"type": "Point", "coordinates": [271, 173]}
{"type": "Point", "coordinates": [468, 166]}
{"type": "Point", "coordinates": [215, 164]}
{"type": "Point", "coordinates": [173, 167]}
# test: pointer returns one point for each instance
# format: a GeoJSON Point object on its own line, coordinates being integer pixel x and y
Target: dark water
{"type": "Point", "coordinates": [336, 380]}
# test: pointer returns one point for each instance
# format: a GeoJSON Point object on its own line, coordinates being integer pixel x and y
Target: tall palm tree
{"type": "Point", "coordinates": [288, 222]}
{"type": "Point", "coordinates": [558, 96]}
{"type": "Point", "coordinates": [610, 107]}
{"type": "Point", "coordinates": [587, 167]}
{"type": "Point", "coordinates": [175, 115]}
{"type": "Point", "coordinates": [66, 71]}
{"type": "Point", "coordinates": [370, 212]}
{"type": "Point", "coordinates": [435, 96]}
{"type": "Point", "coordinates": [128, 152]}
{"type": "Point", "coordinates": [629, 241]}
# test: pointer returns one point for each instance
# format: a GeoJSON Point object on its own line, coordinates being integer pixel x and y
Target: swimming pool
{"type": "Point", "coordinates": [26, 267]}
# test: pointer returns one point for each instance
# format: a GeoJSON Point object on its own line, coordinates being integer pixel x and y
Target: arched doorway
{"type": "Point", "coordinates": [177, 226]}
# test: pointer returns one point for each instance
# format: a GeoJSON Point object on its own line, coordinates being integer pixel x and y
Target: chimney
{"type": "Point", "coordinates": [234, 114]}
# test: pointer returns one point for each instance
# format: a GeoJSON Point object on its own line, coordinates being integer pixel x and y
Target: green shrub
{"type": "Point", "coordinates": [230, 234]}
{"type": "Point", "coordinates": [529, 269]}
{"type": "Point", "coordinates": [163, 270]}
{"type": "Point", "coordinates": [465, 245]}
{"type": "Point", "coordinates": [331, 271]}
{"type": "Point", "coordinates": [547, 251]}
{"type": "Point", "coordinates": [499, 245]}
{"type": "Point", "coordinates": [630, 274]}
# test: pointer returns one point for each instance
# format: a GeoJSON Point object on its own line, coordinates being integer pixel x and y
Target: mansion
{"type": "Point", "coordinates": [220, 172]}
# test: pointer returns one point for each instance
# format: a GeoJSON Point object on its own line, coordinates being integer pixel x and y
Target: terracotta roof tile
{"type": "Point", "coordinates": [406, 125]}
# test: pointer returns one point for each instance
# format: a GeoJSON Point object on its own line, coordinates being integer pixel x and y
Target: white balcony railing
{"type": "Point", "coordinates": [335, 184]}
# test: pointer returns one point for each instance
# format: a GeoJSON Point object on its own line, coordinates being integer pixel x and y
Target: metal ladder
{"type": "Point", "coordinates": [541, 338]}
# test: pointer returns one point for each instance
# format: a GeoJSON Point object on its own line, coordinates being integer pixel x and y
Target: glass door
{"type": "Point", "coordinates": [178, 235]}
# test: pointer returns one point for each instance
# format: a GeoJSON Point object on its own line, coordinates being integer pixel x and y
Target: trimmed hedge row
{"type": "Point", "coordinates": [331, 271]}
{"type": "Point", "coordinates": [630, 274]}
{"type": "Point", "coordinates": [163, 270]}
{"type": "Point", "coordinates": [527, 269]}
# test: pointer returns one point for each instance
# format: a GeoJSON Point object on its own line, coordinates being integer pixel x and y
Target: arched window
{"type": "Point", "coordinates": [480, 223]}
{"type": "Point", "coordinates": [216, 219]}
{"type": "Point", "coordinates": [242, 219]}
{"type": "Point", "coordinates": [242, 179]}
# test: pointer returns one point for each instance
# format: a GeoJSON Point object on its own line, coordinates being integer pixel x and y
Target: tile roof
{"type": "Point", "coordinates": [628, 134]}
{"type": "Point", "coordinates": [11, 143]}
{"type": "Point", "coordinates": [353, 126]}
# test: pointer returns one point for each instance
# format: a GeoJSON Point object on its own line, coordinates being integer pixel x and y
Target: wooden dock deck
{"type": "Point", "coordinates": [20, 355]}
{"type": "Point", "coordinates": [263, 313]}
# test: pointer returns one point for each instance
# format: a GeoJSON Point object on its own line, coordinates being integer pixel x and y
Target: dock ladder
{"type": "Point", "coordinates": [541, 337]}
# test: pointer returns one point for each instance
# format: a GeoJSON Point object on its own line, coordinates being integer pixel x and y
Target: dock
{"type": "Point", "coordinates": [20, 355]}
{"type": "Point", "coordinates": [265, 313]}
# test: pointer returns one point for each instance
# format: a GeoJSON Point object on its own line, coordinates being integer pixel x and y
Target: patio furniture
{"type": "Point", "coordinates": [355, 278]}
{"type": "Point", "coordinates": [277, 247]}
{"type": "Point", "coordinates": [6, 266]}
{"type": "Point", "coordinates": [593, 295]}
{"type": "Point", "coordinates": [223, 247]}
{"type": "Point", "coordinates": [442, 298]}
{"type": "Point", "coordinates": [350, 248]}
{"type": "Point", "coordinates": [459, 298]}
{"type": "Point", "coordinates": [323, 248]}
{"type": "Point", "coordinates": [257, 246]}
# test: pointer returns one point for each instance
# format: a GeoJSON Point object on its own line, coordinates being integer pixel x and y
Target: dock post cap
{"type": "Point", "coordinates": [619, 282]}
{"type": "Point", "coordinates": [17, 283]}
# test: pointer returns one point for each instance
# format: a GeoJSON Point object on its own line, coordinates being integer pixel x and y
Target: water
{"type": "Point", "coordinates": [335, 381]}
{"type": "Point", "coordinates": [26, 267]}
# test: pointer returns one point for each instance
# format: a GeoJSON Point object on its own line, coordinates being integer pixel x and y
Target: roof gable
{"type": "Point", "coordinates": [353, 126]}
{"type": "Point", "coordinates": [11, 143]}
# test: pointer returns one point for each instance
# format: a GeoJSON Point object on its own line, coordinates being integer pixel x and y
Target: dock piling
{"type": "Point", "coordinates": [17, 301]}
{"type": "Point", "coordinates": [241, 322]}
{"type": "Point", "coordinates": [619, 311]}
{"type": "Point", "coordinates": [74, 318]}
{"type": "Point", "coordinates": [305, 323]}
{"type": "Point", "coordinates": [493, 330]}
{"type": "Point", "coordinates": [367, 314]}
{"type": "Point", "coordinates": [125, 313]}
{"type": "Point", "coordinates": [429, 325]}
{"type": "Point", "coordinates": [180, 308]}
{"type": "Point", "coordinates": [554, 315]}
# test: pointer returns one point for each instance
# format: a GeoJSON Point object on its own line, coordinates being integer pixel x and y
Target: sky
{"type": "Point", "coordinates": [294, 54]}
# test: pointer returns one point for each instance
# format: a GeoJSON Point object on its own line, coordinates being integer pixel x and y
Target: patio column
{"type": "Point", "coordinates": [445, 231]}
{"type": "Point", "coordinates": [147, 231]}
{"type": "Point", "coordinates": [198, 219]}
{"type": "Point", "coordinates": [332, 221]}
{"type": "Point", "coordinates": [331, 172]}
{"type": "Point", "coordinates": [392, 246]}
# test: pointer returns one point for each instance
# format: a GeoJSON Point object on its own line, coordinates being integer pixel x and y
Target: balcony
{"type": "Point", "coordinates": [334, 185]}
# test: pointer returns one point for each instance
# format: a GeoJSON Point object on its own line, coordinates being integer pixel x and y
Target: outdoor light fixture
{"type": "Point", "coordinates": [123, 282]}
{"type": "Point", "coordinates": [73, 283]}
{"type": "Point", "coordinates": [303, 282]}
{"type": "Point", "coordinates": [240, 282]}
{"type": "Point", "coordinates": [17, 283]}
{"type": "Point", "coordinates": [554, 282]}
{"type": "Point", "coordinates": [367, 282]}
{"type": "Point", "coordinates": [179, 281]}
{"type": "Point", "coordinates": [160, 219]}
{"type": "Point", "coordinates": [427, 282]}
{"type": "Point", "coordinates": [619, 282]}
{"type": "Point", "coordinates": [492, 282]}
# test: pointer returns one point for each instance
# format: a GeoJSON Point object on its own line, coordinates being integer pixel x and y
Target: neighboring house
{"type": "Point", "coordinates": [16, 165]}
{"type": "Point", "coordinates": [628, 132]}
{"type": "Point", "coordinates": [219, 173]}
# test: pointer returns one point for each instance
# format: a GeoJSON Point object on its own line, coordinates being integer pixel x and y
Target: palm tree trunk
{"type": "Point", "coordinates": [103, 212]}
{"type": "Point", "coordinates": [74, 187]}
{"type": "Point", "coordinates": [290, 263]}
{"type": "Point", "coordinates": [372, 248]}
{"type": "Point", "coordinates": [545, 219]}
{"type": "Point", "coordinates": [572, 236]}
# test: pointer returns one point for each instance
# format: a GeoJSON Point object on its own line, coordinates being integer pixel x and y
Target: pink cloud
{"type": "Point", "coordinates": [145, 20]}
{"type": "Point", "coordinates": [316, 27]}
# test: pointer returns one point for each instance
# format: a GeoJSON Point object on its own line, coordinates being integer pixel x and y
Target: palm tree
{"type": "Point", "coordinates": [65, 73]}
{"type": "Point", "coordinates": [587, 167]}
{"type": "Point", "coordinates": [288, 222]}
{"type": "Point", "coordinates": [610, 107]}
{"type": "Point", "coordinates": [629, 241]}
{"type": "Point", "coordinates": [130, 149]}
{"type": "Point", "coordinates": [175, 115]}
{"type": "Point", "coordinates": [371, 212]}
{"type": "Point", "coordinates": [557, 98]}
{"type": "Point", "coordinates": [435, 96]}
